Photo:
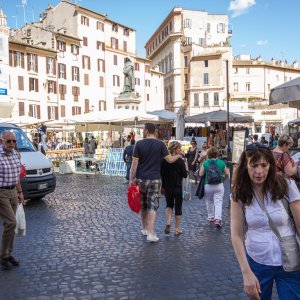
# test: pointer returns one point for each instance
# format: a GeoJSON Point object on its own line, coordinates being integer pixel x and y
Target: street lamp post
{"type": "Point", "coordinates": [228, 96]}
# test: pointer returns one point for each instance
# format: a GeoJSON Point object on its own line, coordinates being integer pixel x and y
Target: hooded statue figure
{"type": "Point", "coordinates": [128, 72]}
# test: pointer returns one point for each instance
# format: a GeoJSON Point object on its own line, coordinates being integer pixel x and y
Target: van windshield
{"type": "Point", "coordinates": [23, 143]}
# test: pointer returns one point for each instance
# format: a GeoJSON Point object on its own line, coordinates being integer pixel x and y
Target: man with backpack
{"type": "Point", "coordinates": [214, 171]}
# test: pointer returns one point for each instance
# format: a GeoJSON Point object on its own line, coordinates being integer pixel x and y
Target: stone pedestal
{"type": "Point", "coordinates": [128, 100]}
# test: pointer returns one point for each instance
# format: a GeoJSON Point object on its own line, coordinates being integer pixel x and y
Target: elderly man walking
{"type": "Point", "coordinates": [10, 194]}
{"type": "Point", "coordinates": [145, 167]}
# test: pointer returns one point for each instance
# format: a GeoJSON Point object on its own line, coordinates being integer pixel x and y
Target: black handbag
{"type": "Point", "coordinates": [200, 188]}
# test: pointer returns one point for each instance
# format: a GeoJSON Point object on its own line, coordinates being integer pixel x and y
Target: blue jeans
{"type": "Point", "coordinates": [287, 283]}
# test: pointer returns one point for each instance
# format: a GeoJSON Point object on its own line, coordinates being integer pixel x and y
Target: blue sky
{"type": "Point", "coordinates": [260, 27]}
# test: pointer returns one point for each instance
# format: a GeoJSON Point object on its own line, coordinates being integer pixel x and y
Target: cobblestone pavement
{"type": "Point", "coordinates": [83, 242]}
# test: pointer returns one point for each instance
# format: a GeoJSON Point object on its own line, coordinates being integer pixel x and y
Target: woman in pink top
{"type": "Point", "coordinates": [284, 163]}
{"type": "Point", "coordinates": [257, 184]}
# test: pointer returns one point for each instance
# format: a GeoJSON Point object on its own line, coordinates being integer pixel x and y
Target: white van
{"type": "Point", "coordinates": [40, 179]}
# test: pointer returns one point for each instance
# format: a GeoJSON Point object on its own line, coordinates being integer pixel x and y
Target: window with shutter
{"type": "Point", "coordinates": [30, 110]}
{"type": "Point", "coordinates": [100, 26]}
{"type": "Point", "coordinates": [101, 81]}
{"type": "Point", "coordinates": [38, 110]}
{"type": "Point", "coordinates": [10, 58]}
{"type": "Point", "coordinates": [86, 79]}
{"type": "Point", "coordinates": [21, 83]}
{"type": "Point", "coordinates": [21, 109]}
{"type": "Point", "coordinates": [49, 112]}
{"type": "Point", "coordinates": [56, 113]}
{"type": "Point", "coordinates": [36, 69]}
{"type": "Point", "coordinates": [36, 85]}
{"type": "Point", "coordinates": [85, 41]}
{"type": "Point", "coordinates": [86, 105]}
{"type": "Point", "coordinates": [62, 111]}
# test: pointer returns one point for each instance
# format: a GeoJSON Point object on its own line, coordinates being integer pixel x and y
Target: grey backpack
{"type": "Point", "coordinates": [213, 173]}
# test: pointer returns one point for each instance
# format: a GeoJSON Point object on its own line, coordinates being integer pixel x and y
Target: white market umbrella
{"type": "Point", "coordinates": [288, 92]}
{"type": "Point", "coordinates": [120, 116]}
{"type": "Point", "coordinates": [164, 114]}
{"type": "Point", "coordinates": [23, 121]}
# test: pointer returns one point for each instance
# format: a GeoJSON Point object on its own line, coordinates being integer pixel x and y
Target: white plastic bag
{"type": "Point", "coordinates": [186, 189]}
{"type": "Point", "coordinates": [21, 221]}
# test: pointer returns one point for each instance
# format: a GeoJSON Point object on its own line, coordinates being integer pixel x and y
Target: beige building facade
{"type": "Point", "coordinates": [71, 62]}
{"type": "Point", "coordinates": [252, 81]}
{"type": "Point", "coordinates": [191, 48]}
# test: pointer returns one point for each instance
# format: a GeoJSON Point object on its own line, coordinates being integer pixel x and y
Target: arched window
{"type": "Point", "coordinates": [171, 61]}
{"type": "Point", "coordinates": [171, 93]}
{"type": "Point", "coordinates": [166, 95]}
{"type": "Point", "coordinates": [166, 63]}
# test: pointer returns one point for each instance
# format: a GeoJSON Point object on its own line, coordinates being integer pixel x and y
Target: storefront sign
{"type": "Point", "coordinates": [269, 112]}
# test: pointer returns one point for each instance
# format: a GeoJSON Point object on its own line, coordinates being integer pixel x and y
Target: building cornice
{"type": "Point", "coordinates": [174, 11]}
{"type": "Point", "coordinates": [170, 37]}
{"type": "Point", "coordinates": [28, 46]}
{"type": "Point", "coordinates": [207, 56]}
{"type": "Point", "coordinates": [262, 64]}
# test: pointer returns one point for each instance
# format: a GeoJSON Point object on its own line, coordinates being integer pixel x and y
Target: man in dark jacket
{"type": "Point", "coordinates": [127, 157]}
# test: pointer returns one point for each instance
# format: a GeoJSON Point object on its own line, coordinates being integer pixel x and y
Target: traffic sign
{"type": "Point", "coordinates": [3, 91]}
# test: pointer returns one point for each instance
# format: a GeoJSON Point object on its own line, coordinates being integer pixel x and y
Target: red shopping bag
{"type": "Point", "coordinates": [23, 171]}
{"type": "Point", "coordinates": [134, 198]}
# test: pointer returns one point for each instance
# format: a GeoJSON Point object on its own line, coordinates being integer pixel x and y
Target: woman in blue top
{"type": "Point", "coordinates": [214, 170]}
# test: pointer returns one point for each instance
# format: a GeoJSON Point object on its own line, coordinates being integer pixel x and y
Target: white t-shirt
{"type": "Point", "coordinates": [261, 243]}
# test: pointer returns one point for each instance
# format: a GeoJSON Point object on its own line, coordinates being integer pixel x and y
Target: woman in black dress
{"type": "Point", "coordinates": [192, 158]}
{"type": "Point", "coordinates": [172, 175]}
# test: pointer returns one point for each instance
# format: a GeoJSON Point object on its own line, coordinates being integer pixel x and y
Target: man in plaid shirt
{"type": "Point", "coordinates": [10, 194]}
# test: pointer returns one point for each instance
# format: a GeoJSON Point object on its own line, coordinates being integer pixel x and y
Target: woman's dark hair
{"type": "Point", "coordinates": [212, 152]}
{"type": "Point", "coordinates": [275, 184]}
{"type": "Point", "coordinates": [132, 142]}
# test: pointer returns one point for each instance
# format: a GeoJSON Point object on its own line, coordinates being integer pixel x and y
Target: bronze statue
{"type": "Point", "coordinates": [128, 72]}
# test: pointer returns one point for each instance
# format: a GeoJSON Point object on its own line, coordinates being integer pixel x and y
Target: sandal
{"type": "Point", "coordinates": [178, 232]}
{"type": "Point", "coordinates": [167, 229]}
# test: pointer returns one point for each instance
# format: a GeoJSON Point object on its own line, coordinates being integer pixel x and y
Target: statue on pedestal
{"type": "Point", "coordinates": [128, 72]}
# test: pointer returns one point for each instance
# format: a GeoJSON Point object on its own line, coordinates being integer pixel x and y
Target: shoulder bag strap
{"type": "Point", "coordinates": [286, 204]}
{"type": "Point", "coordinates": [282, 167]}
{"type": "Point", "coordinates": [272, 225]}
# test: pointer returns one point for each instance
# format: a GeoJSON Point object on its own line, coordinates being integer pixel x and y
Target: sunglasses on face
{"type": "Point", "coordinates": [256, 146]}
{"type": "Point", "coordinates": [9, 141]}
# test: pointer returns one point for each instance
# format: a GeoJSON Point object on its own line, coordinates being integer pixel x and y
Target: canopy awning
{"type": "Point", "coordinates": [288, 92]}
{"type": "Point", "coordinates": [218, 116]}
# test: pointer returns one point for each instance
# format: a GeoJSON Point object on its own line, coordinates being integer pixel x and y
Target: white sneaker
{"type": "Point", "coordinates": [152, 238]}
{"type": "Point", "coordinates": [144, 232]}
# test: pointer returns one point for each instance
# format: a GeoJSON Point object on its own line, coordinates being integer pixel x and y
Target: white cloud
{"type": "Point", "coordinates": [262, 42]}
{"type": "Point", "coordinates": [243, 46]}
{"type": "Point", "coordinates": [239, 7]}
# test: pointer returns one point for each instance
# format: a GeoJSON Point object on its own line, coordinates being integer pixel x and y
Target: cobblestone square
{"type": "Point", "coordinates": [83, 242]}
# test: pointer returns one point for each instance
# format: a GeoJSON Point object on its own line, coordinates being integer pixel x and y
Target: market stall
{"type": "Point", "coordinates": [214, 131]}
